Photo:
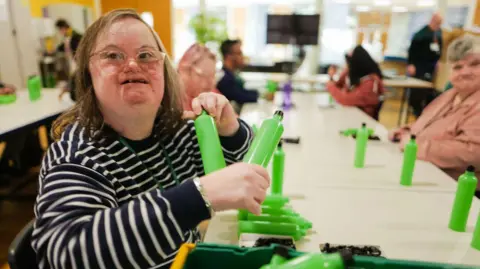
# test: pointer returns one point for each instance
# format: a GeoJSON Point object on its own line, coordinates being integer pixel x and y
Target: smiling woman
{"type": "Point", "coordinates": [123, 186]}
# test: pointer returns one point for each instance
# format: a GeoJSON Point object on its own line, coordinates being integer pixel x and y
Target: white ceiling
{"type": "Point", "coordinates": [410, 4]}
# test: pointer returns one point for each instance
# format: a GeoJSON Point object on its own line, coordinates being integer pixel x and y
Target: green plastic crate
{"type": "Point", "coordinates": [213, 256]}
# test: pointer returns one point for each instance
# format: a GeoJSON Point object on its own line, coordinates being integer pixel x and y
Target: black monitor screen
{"type": "Point", "coordinates": [293, 29]}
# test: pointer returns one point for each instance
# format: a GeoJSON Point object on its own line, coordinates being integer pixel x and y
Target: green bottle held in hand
{"type": "Point", "coordinates": [275, 201]}
{"type": "Point", "coordinates": [476, 235]}
{"type": "Point", "coordinates": [275, 211]}
{"type": "Point", "coordinates": [409, 158]}
{"type": "Point", "coordinates": [265, 141]}
{"type": "Point", "coordinates": [361, 146]}
{"type": "Point", "coordinates": [271, 228]}
{"type": "Point", "coordinates": [209, 143]}
{"type": "Point", "coordinates": [277, 170]}
{"type": "Point", "coordinates": [467, 183]}
{"type": "Point", "coordinates": [34, 86]}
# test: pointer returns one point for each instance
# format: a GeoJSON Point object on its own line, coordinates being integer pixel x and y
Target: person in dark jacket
{"type": "Point", "coordinates": [423, 55]}
{"type": "Point", "coordinates": [231, 85]}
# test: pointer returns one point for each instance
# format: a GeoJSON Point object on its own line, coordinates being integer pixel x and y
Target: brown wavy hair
{"type": "Point", "coordinates": [86, 110]}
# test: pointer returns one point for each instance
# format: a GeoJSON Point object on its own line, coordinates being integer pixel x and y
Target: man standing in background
{"type": "Point", "coordinates": [423, 55]}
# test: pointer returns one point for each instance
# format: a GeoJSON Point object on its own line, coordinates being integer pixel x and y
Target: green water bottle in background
{"type": "Point", "coordinates": [265, 141]}
{"type": "Point", "coordinates": [467, 183]}
{"type": "Point", "coordinates": [272, 86]}
{"type": "Point", "coordinates": [277, 170]}
{"type": "Point", "coordinates": [209, 143]}
{"type": "Point", "coordinates": [409, 158]}
{"type": "Point", "coordinates": [476, 235]}
{"type": "Point", "coordinates": [34, 86]}
{"type": "Point", "coordinates": [361, 146]}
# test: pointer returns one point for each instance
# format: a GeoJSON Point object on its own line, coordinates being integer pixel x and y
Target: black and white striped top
{"type": "Point", "coordinates": [99, 207]}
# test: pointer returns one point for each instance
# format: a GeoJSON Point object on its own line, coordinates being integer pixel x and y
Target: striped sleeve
{"type": "Point", "coordinates": [236, 146]}
{"type": "Point", "coordinates": [80, 224]}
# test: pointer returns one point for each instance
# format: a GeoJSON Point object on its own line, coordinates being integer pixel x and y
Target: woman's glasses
{"type": "Point", "coordinates": [146, 59]}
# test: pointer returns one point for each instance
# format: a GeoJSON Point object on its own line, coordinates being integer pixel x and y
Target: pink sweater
{"type": "Point", "coordinates": [450, 137]}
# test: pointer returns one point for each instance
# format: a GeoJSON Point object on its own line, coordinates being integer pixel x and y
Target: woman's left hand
{"type": "Point", "coordinates": [404, 139]}
{"type": "Point", "coordinates": [219, 108]}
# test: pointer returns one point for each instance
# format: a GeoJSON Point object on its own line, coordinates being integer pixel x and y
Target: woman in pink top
{"type": "Point", "coordinates": [197, 72]}
{"type": "Point", "coordinates": [448, 131]}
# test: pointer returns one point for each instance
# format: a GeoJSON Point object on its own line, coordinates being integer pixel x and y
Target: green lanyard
{"type": "Point", "coordinates": [165, 154]}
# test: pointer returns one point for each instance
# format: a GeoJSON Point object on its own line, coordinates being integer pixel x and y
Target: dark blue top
{"type": "Point", "coordinates": [233, 88]}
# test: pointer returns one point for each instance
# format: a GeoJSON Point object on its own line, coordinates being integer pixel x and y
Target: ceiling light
{"type": "Point", "coordinates": [399, 9]}
{"type": "Point", "coordinates": [426, 3]}
{"type": "Point", "coordinates": [383, 2]}
{"type": "Point", "coordinates": [363, 8]}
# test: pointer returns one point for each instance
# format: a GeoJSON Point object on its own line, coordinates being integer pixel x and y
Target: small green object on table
{"type": "Point", "coordinates": [7, 99]}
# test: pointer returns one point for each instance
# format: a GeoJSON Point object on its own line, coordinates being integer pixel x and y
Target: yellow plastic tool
{"type": "Point", "coordinates": [182, 255]}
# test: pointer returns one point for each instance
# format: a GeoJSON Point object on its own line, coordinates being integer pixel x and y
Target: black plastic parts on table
{"type": "Point", "coordinates": [355, 250]}
{"type": "Point", "coordinates": [267, 241]}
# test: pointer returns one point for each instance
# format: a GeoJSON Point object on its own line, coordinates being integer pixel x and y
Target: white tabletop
{"type": "Point", "coordinates": [24, 112]}
{"type": "Point", "coordinates": [406, 82]}
{"type": "Point", "coordinates": [359, 206]}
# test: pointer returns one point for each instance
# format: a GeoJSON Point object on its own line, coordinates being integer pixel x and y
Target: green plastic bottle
{"type": "Point", "coordinates": [280, 256]}
{"type": "Point", "coordinates": [409, 158]}
{"type": "Point", "coordinates": [467, 183]}
{"type": "Point", "coordinates": [275, 211]}
{"type": "Point", "coordinates": [265, 141]}
{"type": "Point", "coordinates": [476, 235]}
{"type": "Point", "coordinates": [272, 228]}
{"type": "Point", "coordinates": [254, 129]}
{"type": "Point", "coordinates": [209, 143]}
{"type": "Point", "coordinates": [276, 201]}
{"type": "Point", "coordinates": [277, 170]}
{"type": "Point", "coordinates": [272, 86]}
{"type": "Point", "coordinates": [361, 146]}
{"type": "Point", "coordinates": [34, 86]}
{"type": "Point", "coordinates": [303, 223]}
{"type": "Point", "coordinates": [242, 214]}
{"type": "Point", "coordinates": [318, 261]}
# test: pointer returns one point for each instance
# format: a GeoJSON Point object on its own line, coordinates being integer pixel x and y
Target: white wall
{"type": "Point", "coordinates": [398, 38]}
{"type": "Point", "coordinates": [73, 13]}
{"type": "Point", "coordinates": [18, 59]}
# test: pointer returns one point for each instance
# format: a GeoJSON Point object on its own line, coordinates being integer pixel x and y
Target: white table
{"type": "Point", "coordinates": [25, 112]}
{"type": "Point", "coordinates": [359, 206]}
{"type": "Point", "coordinates": [406, 82]}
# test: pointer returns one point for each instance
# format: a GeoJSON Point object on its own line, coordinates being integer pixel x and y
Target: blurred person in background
{"type": "Point", "coordinates": [69, 45]}
{"type": "Point", "coordinates": [423, 55]}
{"type": "Point", "coordinates": [364, 88]}
{"type": "Point", "coordinates": [197, 70]}
{"type": "Point", "coordinates": [231, 85]}
{"type": "Point", "coordinates": [448, 131]}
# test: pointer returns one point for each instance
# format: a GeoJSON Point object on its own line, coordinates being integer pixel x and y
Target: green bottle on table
{"type": "Point", "coordinates": [209, 143]}
{"type": "Point", "coordinates": [476, 235]}
{"type": "Point", "coordinates": [361, 146]}
{"type": "Point", "coordinates": [271, 228]}
{"type": "Point", "coordinates": [275, 211]}
{"type": "Point", "coordinates": [303, 223]}
{"type": "Point", "coordinates": [275, 201]}
{"type": "Point", "coordinates": [265, 141]}
{"type": "Point", "coordinates": [34, 86]}
{"type": "Point", "coordinates": [409, 158]}
{"type": "Point", "coordinates": [467, 183]}
{"type": "Point", "coordinates": [277, 170]}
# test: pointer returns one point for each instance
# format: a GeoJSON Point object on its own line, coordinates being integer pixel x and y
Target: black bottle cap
{"type": "Point", "coordinates": [279, 113]}
{"type": "Point", "coordinates": [280, 143]}
{"type": "Point", "coordinates": [471, 168]}
{"type": "Point", "coordinates": [281, 251]}
{"type": "Point", "coordinates": [364, 124]}
{"type": "Point", "coordinates": [413, 137]}
{"type": "Point", "coordinates": [347, 257]}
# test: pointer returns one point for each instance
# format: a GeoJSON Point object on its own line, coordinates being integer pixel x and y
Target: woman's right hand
{"type": "Point", "coordinates": [238, 186]}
